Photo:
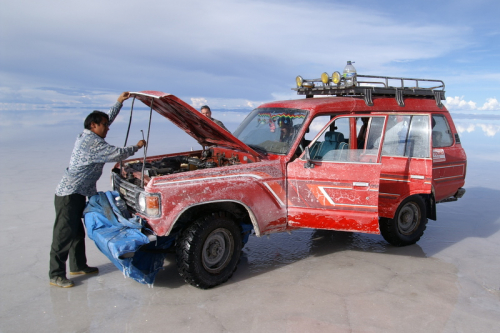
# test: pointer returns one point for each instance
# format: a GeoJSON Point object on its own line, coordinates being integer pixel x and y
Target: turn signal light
{"type": "Point", "coordinates": [149, 204]}
{"type": "Point", "coordinates": [153, 205]}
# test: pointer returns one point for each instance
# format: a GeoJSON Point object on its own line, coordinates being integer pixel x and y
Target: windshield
{"type": "Point", "coordinates": [271, 130]}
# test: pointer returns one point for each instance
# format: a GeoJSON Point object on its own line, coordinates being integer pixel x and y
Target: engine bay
{"type": "Point", "coordinates": [168, 164]}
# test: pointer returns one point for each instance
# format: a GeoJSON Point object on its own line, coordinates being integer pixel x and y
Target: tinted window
{"type": "Point", "coordinates": [441, 134]}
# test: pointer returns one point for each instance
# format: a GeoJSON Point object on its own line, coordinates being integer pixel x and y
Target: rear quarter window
{"type": "Point", "coordinates": [441, 133]}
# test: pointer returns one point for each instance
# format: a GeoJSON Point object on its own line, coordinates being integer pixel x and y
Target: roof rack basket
{"type": "Point", "coordinates": [377, 86]}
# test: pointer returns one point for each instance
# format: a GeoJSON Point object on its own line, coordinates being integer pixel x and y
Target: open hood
{"type": "Point", "coordinates": [205, 131]}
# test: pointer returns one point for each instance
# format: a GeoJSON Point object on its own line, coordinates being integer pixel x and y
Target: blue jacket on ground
{"type": "Point", "coordinates": [119, 238]}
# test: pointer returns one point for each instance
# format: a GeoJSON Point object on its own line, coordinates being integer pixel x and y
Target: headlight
{"type": "Point", "coordinates": [141, 202]}
{"type": "Point", "coordinates": [149, 204]}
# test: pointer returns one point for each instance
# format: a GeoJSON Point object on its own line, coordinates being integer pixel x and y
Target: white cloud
{"type": "Point", "coordinates": [224, 103]}
{"type": "Point", "coordinates": [197, 102]}
{"type": "Point", "coordinates": [458, 103]}
{"type": "Point", "coordinates": [491, 104]}
{"type": "Point", "coordinates": [237, 54]}
{"type": "Point", "coordinates": [224, 44]}
{"type": "Point", "coordinates": [489, 129]}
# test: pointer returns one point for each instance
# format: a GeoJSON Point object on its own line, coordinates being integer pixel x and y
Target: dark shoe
{"type": "Point", "coordinates": [62, 282]}
{"type": "Point", "coordinates": [87, 270]}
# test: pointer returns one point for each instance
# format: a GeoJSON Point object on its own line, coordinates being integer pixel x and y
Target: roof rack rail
{"type": "Point", "coordinates": [367, 89]}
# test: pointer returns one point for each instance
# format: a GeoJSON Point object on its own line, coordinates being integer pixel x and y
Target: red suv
{"type": "Point", "coordinates": [369, 158]}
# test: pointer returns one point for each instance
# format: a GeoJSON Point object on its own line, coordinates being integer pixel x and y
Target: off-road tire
{"type": "Point", "coordinates": [408, 224]}
{"type": "Point", "coordinates": [208, 251]}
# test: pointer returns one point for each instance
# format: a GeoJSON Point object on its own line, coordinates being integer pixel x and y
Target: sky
{"type": "Point", "coordinates": [59, 59]}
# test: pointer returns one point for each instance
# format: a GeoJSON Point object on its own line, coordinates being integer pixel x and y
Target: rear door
{"type": "Point", "coordinates": [340, 191]}
{"type": "Point", "coordinates": [406, 160]}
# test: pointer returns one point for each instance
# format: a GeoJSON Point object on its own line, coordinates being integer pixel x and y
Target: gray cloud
{"type": "Point", "coordinates": [219, 49]}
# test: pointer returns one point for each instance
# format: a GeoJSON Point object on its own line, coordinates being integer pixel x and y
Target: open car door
{"type": "Point", "coordinates": [334, 185]}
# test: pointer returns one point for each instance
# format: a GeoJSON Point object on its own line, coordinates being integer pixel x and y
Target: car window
{"type": "Point", "coordinates": [395, 135]}
{"type": "Point", "coordinates": [316, 126]}
{"type": "Point", "coordinates": [335, 137]}
{"type": "Point", "coordinates": [271, 130]}
{"type": "Point", "coordinates": [406, 135]}
{"type": "Point", "coordinates": [335, 143]}
{"type": "Point", "coordinates": [417, 144]}
{"type": "Point", "coordinates": [376, 126]}
{"type": "Point", "coordinates": [441, 134]}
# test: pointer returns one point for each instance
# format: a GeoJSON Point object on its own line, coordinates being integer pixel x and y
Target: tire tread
{"type": "Point", "coordinates": [389, 230]}
{"type": "Point", "coordinates": [185, 249]}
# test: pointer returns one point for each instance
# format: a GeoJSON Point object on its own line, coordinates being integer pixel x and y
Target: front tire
{"type": "Point", "coordinates": [209, 250]}
{"type": "Point", "coordinates": [408, 224]}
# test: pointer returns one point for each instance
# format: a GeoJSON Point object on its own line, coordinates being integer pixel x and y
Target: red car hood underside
{"type": "Point", "coordinates": [202, 129]}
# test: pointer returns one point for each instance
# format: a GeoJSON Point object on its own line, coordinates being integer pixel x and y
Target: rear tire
{"type": "Point", "coordinates": [209, 250]}
{"type": "Point", "coordinates": [408, 224]}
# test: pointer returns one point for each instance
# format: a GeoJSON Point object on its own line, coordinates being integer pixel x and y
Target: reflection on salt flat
{"type": "Point", "coordinates": [488, 129]}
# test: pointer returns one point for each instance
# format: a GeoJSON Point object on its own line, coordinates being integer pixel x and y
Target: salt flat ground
{"type": "Point", "coordinates": [309, 281]}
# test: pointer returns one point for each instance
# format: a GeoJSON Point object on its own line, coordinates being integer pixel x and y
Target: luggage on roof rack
{"type": "Point", "coordinates": [367, 89]}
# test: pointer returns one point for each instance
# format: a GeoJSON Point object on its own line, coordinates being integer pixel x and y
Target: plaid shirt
{"type": "Point", "coordinates": [89, 155]}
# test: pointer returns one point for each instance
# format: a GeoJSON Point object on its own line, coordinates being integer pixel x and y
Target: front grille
{"type": "Point", "coordinates": [128, 191]}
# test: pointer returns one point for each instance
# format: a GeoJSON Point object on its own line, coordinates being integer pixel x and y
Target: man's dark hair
{"type": "Point", "coordinates": [94, 117]}
{"type": "Point", "coordinates": [205, 107]}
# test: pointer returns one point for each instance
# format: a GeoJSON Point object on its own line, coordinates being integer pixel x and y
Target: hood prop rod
{"type": "Point", "coordinates": [147, 142]}
{"type": "Point", "coordinates": [128, 131]}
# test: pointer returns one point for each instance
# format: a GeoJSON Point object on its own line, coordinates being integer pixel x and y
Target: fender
{"type": "Point", "coordinates": [253, 219]}
{"type": "Point", "coordinates": [249, 190]}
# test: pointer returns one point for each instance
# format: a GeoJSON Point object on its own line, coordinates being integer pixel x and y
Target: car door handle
{"type": "Point", "coordinates": [360, 184]}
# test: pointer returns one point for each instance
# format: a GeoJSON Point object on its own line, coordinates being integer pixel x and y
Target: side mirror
{"type": "Point", "coordinates": [309, 164]}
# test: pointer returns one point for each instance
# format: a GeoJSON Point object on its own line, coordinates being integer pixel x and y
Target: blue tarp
{"type": "Point", "coordinates": [119, 237]}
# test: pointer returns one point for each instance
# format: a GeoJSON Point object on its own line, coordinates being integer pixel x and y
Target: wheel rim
{"type": "Point", "coordinates": [217, 250]}
{"type": "Point", "coordinates": [409, 218]}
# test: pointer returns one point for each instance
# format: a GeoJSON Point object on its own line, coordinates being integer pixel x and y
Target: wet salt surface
{"type": "Point", "coordinates": [306, 281]}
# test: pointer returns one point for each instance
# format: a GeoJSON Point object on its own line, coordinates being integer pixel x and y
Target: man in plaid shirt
{"type": "Point", "coordinates": [89, 155]}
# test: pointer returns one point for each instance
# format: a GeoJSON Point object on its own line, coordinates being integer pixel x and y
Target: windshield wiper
{"type": "Point", "coordinates": [258, 148]}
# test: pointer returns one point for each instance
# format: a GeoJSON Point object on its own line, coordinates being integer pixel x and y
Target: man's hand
{"type": "Point", "coordinates": [123, 97]}
{"type": "Point", "coordinates": [141, 144]}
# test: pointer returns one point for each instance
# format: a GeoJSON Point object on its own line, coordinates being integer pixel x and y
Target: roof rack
{"type": "Point", "coordinates": [367, 89]}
